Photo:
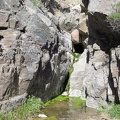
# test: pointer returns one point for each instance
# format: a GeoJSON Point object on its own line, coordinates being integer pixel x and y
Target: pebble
{"type": "Point", "coordinates": [42, 116]}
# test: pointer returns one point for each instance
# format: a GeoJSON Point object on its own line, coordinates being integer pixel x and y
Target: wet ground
{"type": "Point", "coordinates": [69, 110]}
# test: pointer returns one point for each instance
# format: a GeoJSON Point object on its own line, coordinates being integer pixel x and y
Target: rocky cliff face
{"type": "Point", "coordinates": [34, 53]}
{"type": "Point", "coordinates": [98, 79]}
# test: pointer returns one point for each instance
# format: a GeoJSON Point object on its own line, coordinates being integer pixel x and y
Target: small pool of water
{"type": "Point", "coordinates": [71, 109]}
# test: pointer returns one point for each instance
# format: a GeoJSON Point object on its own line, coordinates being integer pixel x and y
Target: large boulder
{"type": "Point", "coordinates": [78, 75]}
{"type": "Point", "coordinates": [100, 79]}
{"type": "Point", "coordinates": [34, 54]}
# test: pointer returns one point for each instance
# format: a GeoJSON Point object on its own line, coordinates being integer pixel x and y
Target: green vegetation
{"type": "Point", "coordinates": [113, 110]}
{"type": "Point", "coordinates": [76, 57]}
{"type": "Point", "coordinates": [77, 103]}
{"type": "Point", "coordinates": [31, 106]}
{"type": "Point", "coordinates": [37, 3]}
{"type": "Point", "coordinates": [115, 15]}
{"type": "Point", "coordinates": [52, 118]}
{"type": "Point", "coordinates": [57, 99]}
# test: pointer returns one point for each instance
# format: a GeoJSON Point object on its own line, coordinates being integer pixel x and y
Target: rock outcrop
{"type": "Point", "coordinates": [35, 51]}
{"type": "Point", "coordinates": [98, 79]}
{"type": "Point", "coordinates": [34, 54]}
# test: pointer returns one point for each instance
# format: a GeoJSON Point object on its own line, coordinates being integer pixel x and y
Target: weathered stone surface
{"type": "Point", "coordinates": [100, 78]}
{"type": "Point", "coordinates": [34, 54]}
{"type": "Point", "coordinates": [77, 8]}
{"type": "Point", "coordinates": [12, 103]}
{"type": "Point", "coordinates": [77, 77]}
{"type": "Point", "coordinates": [4, 17]}
{"type": "Point", "coordinates": [102, 6]}
{"type": "Point", "coordinates": [83, 26]}
{"type": "Point", "coordinates": [69, 21]}
{"type": "Point", "coordinates": [75, 36]}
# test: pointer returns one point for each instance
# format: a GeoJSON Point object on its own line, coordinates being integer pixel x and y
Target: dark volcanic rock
{"type": "Point", "coordinates": [34, 54]}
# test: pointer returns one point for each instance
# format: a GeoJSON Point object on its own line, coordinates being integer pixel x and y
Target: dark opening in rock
{"type": "Point", "coordinates": [78, 48]}
{"type": "Point", "coordinates": [3, 28]}
{"type": "Point", "coordinates": [1, 37]}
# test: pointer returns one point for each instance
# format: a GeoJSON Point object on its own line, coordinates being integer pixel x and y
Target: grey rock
{"type": "Point", "coordinates": [34, 55]}
{"type": "Point", "coordinates": [102, 6]}
{"type": "Point", "coordinates": [77, 76]}
{"type": "Point", "coordinates": [4, 17]}
{"type": "Point", "coordinates": [12, 103]}
{"type": "Point", "coordinates": [69, 21]}
{"type": "Point", "coordinates": [100, 77]}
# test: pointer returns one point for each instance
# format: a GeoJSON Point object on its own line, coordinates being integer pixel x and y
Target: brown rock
{"type": "Point", "coordinates": [75, 36]}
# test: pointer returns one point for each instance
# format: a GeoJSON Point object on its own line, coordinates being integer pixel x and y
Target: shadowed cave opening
{"type": "Point", "coordinates": [78, 48]}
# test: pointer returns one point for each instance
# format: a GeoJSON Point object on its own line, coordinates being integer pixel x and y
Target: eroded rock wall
{"type": "Point", "coordinates": [34, 54]}
{"type": "Point", "coordinates": [102, 67]}
{"type": "Point", "coordinates": [98, 79]}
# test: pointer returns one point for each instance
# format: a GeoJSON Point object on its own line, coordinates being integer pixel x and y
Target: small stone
{"type": "Point", "coordinates": [75, 36]}
{"type": "Point", "coordinates": [96, 47]}
{"type": "Point", "coordinates": [65, 93]}
{"type": "Point", "coordinates": [42, 116]}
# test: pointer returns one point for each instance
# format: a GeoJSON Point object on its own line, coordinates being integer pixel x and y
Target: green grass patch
{"type": "Point", "coordinates": [77, 103]}
{"type": "Point", "coordinates": [57, 99]}
{"type": "Point", "coordinates": [31, 106]}
{"type": "Point", "coordinates": [113, 110]}
{"type": "Point", "coordinates": [52, 118]}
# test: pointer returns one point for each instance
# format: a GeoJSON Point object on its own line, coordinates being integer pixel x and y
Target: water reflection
{"type": "Point", "coordinates": [72, 109]}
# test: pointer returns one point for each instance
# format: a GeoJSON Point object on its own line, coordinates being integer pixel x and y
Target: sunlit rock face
{"type": "Point", "coordinates": [98, 79]}
{"type": "Point", "coordinates": [34, 54]}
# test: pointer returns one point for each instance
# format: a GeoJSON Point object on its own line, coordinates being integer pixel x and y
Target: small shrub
{"type": "Point", "coordinates": [31, 106]}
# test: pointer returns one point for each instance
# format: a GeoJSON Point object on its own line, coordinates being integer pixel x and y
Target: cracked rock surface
{"type": "Point", "coordinates": [97, 79]}
{"type": "Point", "coordinates": [34, 54]}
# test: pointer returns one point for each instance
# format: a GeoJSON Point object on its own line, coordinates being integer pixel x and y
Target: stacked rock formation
{"type": "Point", "coordinates": [97, 77]}
{"type": "Point", "coordinates": [34, 54]}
